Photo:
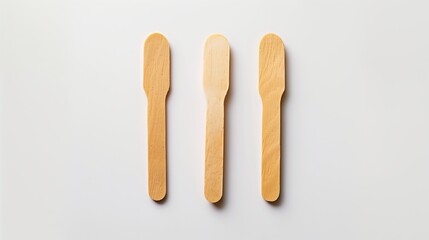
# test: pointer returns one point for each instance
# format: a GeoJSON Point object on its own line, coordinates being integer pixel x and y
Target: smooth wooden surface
{"type": "Point", "coordinates": [271, 88]}
{"type": "Point", "coordinates": [216, 83]}
{"type": "Point", "coordinates": [156, 85]}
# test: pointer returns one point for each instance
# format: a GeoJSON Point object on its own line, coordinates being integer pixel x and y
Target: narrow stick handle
{"type": "Point", "coordinates": [271, 149]}
{"type": "Point", "coordinates": [157, 164]}
{"type": "Point", "coordinates": [214, 150]}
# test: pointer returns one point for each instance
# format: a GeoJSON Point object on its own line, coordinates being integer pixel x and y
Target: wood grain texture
{"type": "Point", "coordinates": [156, 85]}
{"type": "Point", "coordinates": [216, 84]}
{"type": "Point", "coordinates": [271, 88]}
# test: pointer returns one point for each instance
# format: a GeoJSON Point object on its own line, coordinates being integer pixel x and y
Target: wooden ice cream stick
{"type": "Point", "coordinates": [216, 83]}
{"type": "Point", "coordinates": [156, 85]}
{"type": "Point", "coordinates": [271, 88]}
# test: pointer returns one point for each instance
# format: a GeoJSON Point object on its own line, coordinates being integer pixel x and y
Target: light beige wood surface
{"type": "Point", "coordinates": [216, 83]}
{"type": "Point", "coordinates": [156, 85]}
{"type": "Point", "coordinates": [271, 88]}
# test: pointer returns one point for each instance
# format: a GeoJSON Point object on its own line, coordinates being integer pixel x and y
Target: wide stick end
{"type": "Point", "coordinates": [271, 66]}
{"type": "Point", "coordinates": [156, 37]}
{"type": "Point", "coordinates": [156, 64]}
{"type": "Point", "coordinates": [216, 65]}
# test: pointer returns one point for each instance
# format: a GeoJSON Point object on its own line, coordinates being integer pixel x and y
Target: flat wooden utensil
{"type": "Point", "coordinates": [156, 85]}
{"type": "Point", "coordinates": [216, 84]}
{"type": "Point", "coordinates": [271, 88]}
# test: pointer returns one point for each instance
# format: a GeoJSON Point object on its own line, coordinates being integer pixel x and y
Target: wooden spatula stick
{"type": "Point", "coordinates": [271, 88]}
{"type": "Point", "coordinates": [156, 85]}
{"type": "Point", "coordinates": [216, 83]}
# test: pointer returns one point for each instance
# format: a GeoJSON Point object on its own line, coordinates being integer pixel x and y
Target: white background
{"type": "Point", "coordinates": [355, 120]}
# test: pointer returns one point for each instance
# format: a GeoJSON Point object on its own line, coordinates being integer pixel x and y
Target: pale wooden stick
{"type": "Point", "coordinates": [156, 85]}
{"type": "Point", "coordinates": [271, 88]}
{"type": "Point", "coordinates": [216, 83]}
